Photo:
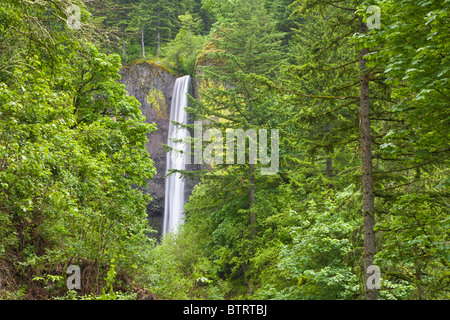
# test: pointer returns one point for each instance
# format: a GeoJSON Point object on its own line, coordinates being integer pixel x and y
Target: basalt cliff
{"type": "Point", "coordinates": [152, 85]}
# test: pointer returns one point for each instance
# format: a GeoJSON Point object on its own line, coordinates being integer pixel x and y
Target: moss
{"type": "Point", "coordinates": [155, 98]}
{"type": "Point", "coordinates": [153, 64]}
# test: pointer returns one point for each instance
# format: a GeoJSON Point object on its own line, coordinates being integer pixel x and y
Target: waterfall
{"type": "Point", "coordinates": [174, 197]}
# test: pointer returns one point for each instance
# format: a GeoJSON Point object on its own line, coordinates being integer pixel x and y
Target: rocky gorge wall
{"type": "Point", "coordinates": [152, 85]}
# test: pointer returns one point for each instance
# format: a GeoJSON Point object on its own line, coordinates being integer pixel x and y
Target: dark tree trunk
{"type": "Point", "coordinates": [330, 171]}
{"type": "Point", "coordinates": [329, 160]}
{"type": "Point", "coordinates": [158, 34]}
{"type": "Point", "coordinates": [367, 175]}
{"type": "Point", "coordinates": [251, 169]}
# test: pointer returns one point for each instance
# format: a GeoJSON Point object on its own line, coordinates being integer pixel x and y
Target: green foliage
{"type": "Point", "coordinates": [72, 150]}
{"type": "Point", "coordinates": [184, 49]}
{"type": "Point", "coordinates": [412, 51]}
{"type": "Point", "coordinates": [73, 160]}
{"type": "Point", "coordinates": [307, 242]}
{"type": "Point", "coordinates": [319, 261]}
{"type": "Point", "coordinates": [245, 42]}
{"type": "Point", "coordinates": [179, 269]}
{"type": "Point", "coordinates": [134, 27]}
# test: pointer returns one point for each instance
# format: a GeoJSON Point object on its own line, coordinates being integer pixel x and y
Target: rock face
{"type": "Point", "coordinates": [152, 85]}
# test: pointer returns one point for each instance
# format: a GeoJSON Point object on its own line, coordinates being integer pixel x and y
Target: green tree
{"type": "Point", "coordinates": [244, 45]}
{"type": "Point", "coordinates": [186, 46]}
{"type": "Point", "coordinates": [155, 18]}
{"type": "Point", "coordinates": [113, 18]}
{"type": "Point", "coordinates": [344, 22]}
{"type": "Point", "coordinates": [347, 95]}
{"type": "Point", "coordinates": [328, 84]}
{"type": "Point", "coordinates": [72, 151]}
{"type": "Point", "coordinates": [411, 49]}
{"type": "Point", "coordinates": [247, 43]}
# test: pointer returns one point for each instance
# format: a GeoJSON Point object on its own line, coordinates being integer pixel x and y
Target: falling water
{"type": "Point", "coordinates": [174, 197]}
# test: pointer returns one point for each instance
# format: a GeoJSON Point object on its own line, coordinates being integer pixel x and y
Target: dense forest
{"type": "Point", "coordinates": [358, 92]}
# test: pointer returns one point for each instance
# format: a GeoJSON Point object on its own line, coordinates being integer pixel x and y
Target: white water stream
{"type": "Point", "coordinates": [175, 185]}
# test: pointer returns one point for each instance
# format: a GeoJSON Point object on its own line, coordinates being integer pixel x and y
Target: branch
{"type": "Point", "coordinates": [342, 8]}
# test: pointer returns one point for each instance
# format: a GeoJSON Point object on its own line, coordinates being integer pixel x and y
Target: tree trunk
{"type": "Point", "coordinates": [169, 29]}
{"type": "Point", "coordinates": [251, 169]}
{"type": "Point", "coordinates": [124, 47]}
{"type": "Point", "coordinates": [158, 35]}
{"type": "Point", "coordinates": [330, 172]}
{"type": "Point", "coordinates": [367, 175]}
{"type": "Point", "coordinates": [142, 40]}
{"type": "Point", "coordinates": [329, 160]}
{"type": "Point", "coordinates": [251, 172]}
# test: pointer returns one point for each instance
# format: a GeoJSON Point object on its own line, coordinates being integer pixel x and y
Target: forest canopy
{"type": "Point", "coordinates": [358, 91]}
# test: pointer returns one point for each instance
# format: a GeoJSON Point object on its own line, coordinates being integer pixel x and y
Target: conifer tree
{"type": "Point", "coordinates": [386, 60]}
{"type": "Point", "coordinates": [113, 18]}
{"type": "Point", "coordinates": [155, 19]}
{"type": "Point", "coordinates": [411, 49]}
{"type": "Point", "coordinates": [343, 22]}
{"type": "Point", "coordinates": [243, 46]}
{"type": "Point", "coordinates": [247, 44]}
{"type": "Point", "coordinates": [184, 49]}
